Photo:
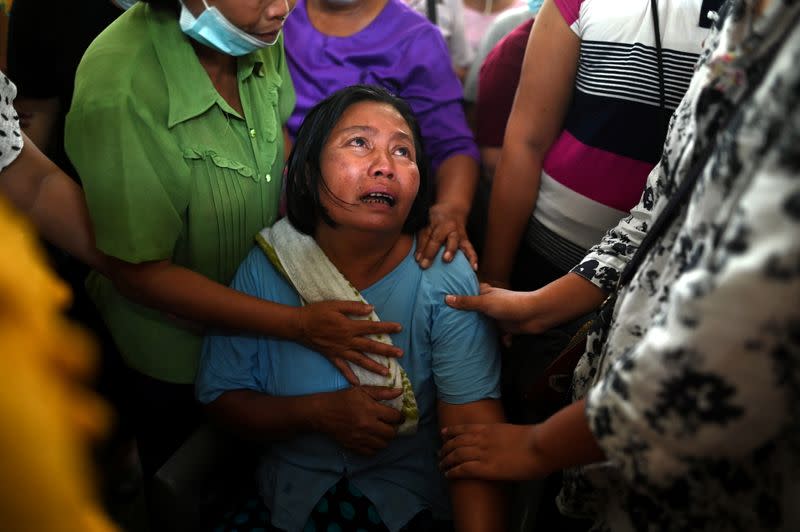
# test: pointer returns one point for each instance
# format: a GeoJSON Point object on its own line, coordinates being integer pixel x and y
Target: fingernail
{"type": "Point", "coordinates": [417, 256]}
{"type": "Point", "coordinates": [425, 263]}
{"type": "Point", "coordinates": [450, 299]}
{"type": "Point", "coordinates": [475, 266]}
{"type": "Point", "coordinates": [447, 255]}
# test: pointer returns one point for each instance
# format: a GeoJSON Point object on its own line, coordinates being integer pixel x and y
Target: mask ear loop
{"type": "Point", "coordinates": [288, 10]}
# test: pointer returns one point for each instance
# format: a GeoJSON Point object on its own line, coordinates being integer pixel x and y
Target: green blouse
{"type": "Point", "coordinates": [171, 170]}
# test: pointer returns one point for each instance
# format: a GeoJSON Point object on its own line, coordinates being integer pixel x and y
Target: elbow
{"type": "Point", "coordinates": [124, 281]}
{"type": "Point", "coordinates": [131, 280]}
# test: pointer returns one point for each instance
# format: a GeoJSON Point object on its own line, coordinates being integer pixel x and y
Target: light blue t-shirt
{"type": "Point", "coordinates": [449, 355]}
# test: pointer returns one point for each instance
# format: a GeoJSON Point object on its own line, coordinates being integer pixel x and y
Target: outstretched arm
{"type": "Point", "coordinates": [324, 327]}
{"type": "Point", "coordinates": [53, 201]}
{"type": "Point", "coordinates": [565, 299]}
{"type": "Point", "coordinates": [519, 452]}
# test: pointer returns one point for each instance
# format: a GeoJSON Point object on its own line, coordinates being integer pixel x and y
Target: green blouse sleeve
{"type": "Point", "coordinates": [287, 98]}
{"type": "Point", "coordinates": [133, 174]}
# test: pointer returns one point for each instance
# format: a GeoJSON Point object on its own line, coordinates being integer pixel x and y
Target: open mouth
{"type": "Point", "coordinates": [378, 197]}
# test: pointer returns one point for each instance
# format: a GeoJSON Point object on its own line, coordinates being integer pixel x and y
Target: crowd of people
{"type": "Point", "coordinates": [315, 224]}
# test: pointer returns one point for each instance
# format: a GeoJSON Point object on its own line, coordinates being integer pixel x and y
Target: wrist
{"type": "Point", "coordinates": [537, 463]}
{"type": "Point", "coordinates": [297, 327]}
{"type": "Point", "coordinates": [452, 208]}
{"type": "Point", "coordinates": [314, 413]}
{"type": "Point", "coordinates": [540, 315]}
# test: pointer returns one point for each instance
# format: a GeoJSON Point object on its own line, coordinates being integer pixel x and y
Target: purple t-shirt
{"type": "Point", "coordinates": [400, 51]}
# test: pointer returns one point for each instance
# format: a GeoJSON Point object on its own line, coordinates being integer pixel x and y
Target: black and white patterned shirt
{"type": "Point", "coordinates": [695, 395]}
{"type": "Point", "coordinates": [10, 136]}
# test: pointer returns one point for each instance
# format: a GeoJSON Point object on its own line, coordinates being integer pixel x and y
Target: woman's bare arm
{"type": "Point", "coordinates": [520, 452]}
{"type": "Point", "coordinates": [53, 202]}
{"type": "Point", "coordinates": [543, 96]}
{"type": "Point", "coordinates": [478, 506]}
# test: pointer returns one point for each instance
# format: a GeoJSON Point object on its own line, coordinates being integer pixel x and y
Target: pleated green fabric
{"type": "Point", "coordinates": [171, 170]}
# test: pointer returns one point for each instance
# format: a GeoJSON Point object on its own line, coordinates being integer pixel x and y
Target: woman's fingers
{"type": "Point", "coordinates": [367, 345]}
{"type": "Point", "coordinates": [431, 247]}
{"type": "Point", "coordinates": [463, 449]}
{"type": "Point", "coordinates": [460, 456]}
{"type": "Point", "coordinates": [473, 469]}
{"type": "Point", "coordinates": [360, 359]}
{"type": "Point", "coordinates": [469, 251]}
{"type": "Point", "coordinates": [456, 435]}
{"type": "Point", "coordinates": [451, 243]}
{"type": "Point", "coordinates": [354, 308]}
{"type": "Point", "coordinates": [383, 393]}
{"type": "Point", "coordinates": [423, 237]}
{"type": "Point", "coordinates": [345, 369]}
{"type": "Point", "coordinates": [498, 451]}
{"type": "Point", "coordinates": [478, 303]}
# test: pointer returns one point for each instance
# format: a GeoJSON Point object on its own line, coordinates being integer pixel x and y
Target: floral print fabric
{"type": "Point", "coordinates": [694, 396]}
{"type": "Point", "coordinates": [10, 136]}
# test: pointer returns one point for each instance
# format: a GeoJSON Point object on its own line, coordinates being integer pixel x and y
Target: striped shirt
{"type": "Point", "coordinates": [615, 126]}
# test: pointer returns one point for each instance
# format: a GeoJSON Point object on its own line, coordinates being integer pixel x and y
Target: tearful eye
{"type": "Point", "coordinates": [358, 142]}
{"type": "Point", "coordinates": [403, 152]}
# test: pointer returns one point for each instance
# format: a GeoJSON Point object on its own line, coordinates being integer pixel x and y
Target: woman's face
{"type": "Point", "coordinates": [263, 19]}
{"type": "Point", "coordinates": [369, 166]}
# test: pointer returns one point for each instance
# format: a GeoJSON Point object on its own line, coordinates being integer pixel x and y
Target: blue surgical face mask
{"type": "Point", "coordinates": [212, 29]}
{"type": "Point", "coordinates": [125, 4]}
{"type": "Point", "coordinates": [535, 5]}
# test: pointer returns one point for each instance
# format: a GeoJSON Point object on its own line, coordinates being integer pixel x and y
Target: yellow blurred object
{"type": "Point", "coordinates": [48, 415]}
{"type": "Point", "coordinates": [5, 6]}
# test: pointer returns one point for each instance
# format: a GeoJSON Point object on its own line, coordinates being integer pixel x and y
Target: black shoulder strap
{"type": "Point", "coordinates": [431, 9]}
{"type": "Point", "coordinates": [681, 195]}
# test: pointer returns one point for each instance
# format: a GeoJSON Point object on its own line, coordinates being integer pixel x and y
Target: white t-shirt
{"type": "Point", "coordinates": [450, 20]}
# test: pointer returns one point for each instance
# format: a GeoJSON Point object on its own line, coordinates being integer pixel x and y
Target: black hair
{"type": "Point", "coordinates": [303, 173]}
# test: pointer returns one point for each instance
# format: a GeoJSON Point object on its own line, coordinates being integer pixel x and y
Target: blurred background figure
{"type": "Point", "coordinates": [448, 15]}
{"type": "Point", "coordinates": [479, 15]}
{"type": "Point", "coordinates": [497, 30]}
{"type": "Point", "coordinates": [48, 414]}
{"type": "Point", "coordinates": [46, 40]}
{"type": "Point", "coordinates": [497, 85]}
